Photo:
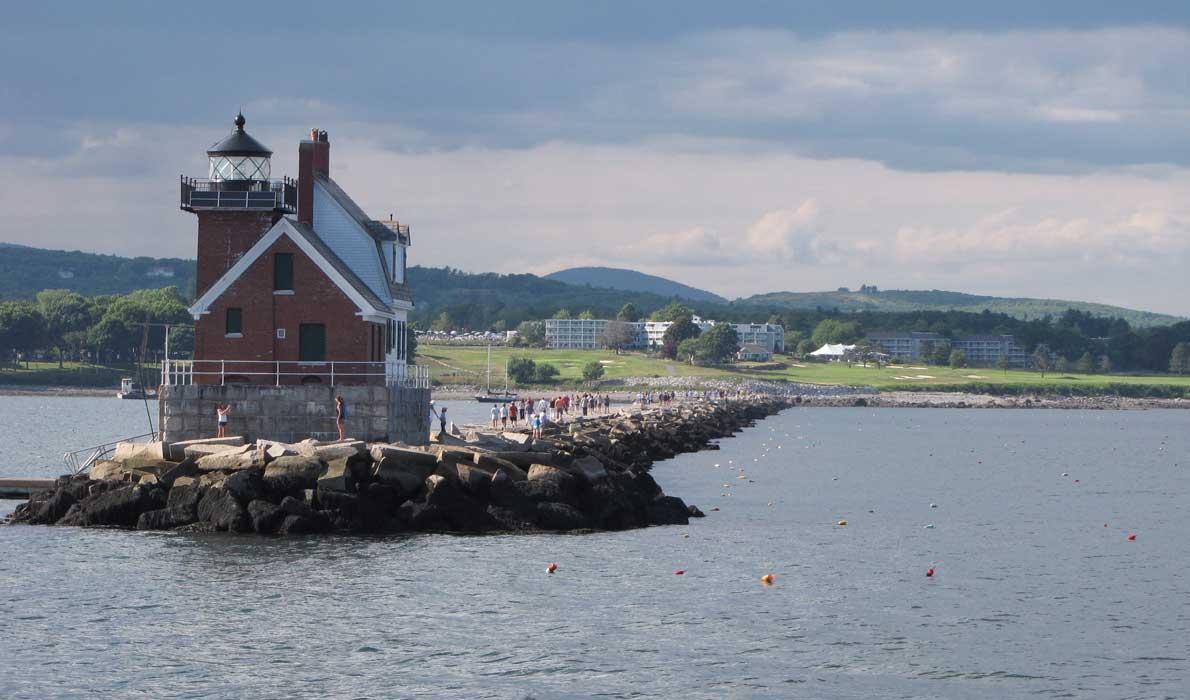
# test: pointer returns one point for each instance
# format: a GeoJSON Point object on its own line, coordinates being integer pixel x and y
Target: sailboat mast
{"type": "Point", "coordinates": [488, 389]}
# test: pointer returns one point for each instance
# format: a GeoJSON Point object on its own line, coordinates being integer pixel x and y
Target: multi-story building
{"type": "Point", "coordinates": [587, 334]}
{"type": "Point", "coordinates": [983, 350]}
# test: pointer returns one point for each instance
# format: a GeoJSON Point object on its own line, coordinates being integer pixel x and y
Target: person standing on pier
{"type": "Point", "coordinates": [221, 413]}
{"type": "Point", "coordinates": [340, 415]}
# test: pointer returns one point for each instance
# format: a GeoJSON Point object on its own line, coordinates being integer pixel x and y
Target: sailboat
{"type": "Point", "coordinates": [501, 397]}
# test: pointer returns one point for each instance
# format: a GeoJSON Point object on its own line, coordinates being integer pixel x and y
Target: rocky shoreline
{"type": "Point", "coordinates": [591, 474]}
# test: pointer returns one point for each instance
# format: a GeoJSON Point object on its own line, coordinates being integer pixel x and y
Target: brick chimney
{"type": "Point", "coordinates": [314, 158]}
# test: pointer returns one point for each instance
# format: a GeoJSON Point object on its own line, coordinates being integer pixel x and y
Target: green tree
{"type": "Point", "coordinates": [834, 331]}
{"type": "Point", "coordinates": [593, 371]}
{"type": "Point", "coordinates": [1085, 364]}
{"type": "Point", "coordinates": [1179, 359]}
{"type": "Point", "coordinates": [562, 314]}
{"type": "Point", "coordinates": [689, 350]}
{"type": "Point", "coordinates": [805, 347]}
{"type": "Point", "coordinates": [1004, 363]}
{"type": "Point", "coordinates": [941, 355]}
{"type": "Point", "coordinates": [530, 333]}
{"type": "Point", "coordinates": [1041, 358]}
{"type": "Point", "coordinates": [1062, 365]}
{"type": "Point", "coordinates": [793, 339]}
{"type": "Point", "coordinates": [545, 374]}
{"type": "Point", "coordinates": [618, 335]}
{"type": "Point", "coordinates": [1105, 364]}
{"type": "Point", "coordinates": [587, 315]}
{"type": "Point", "coordinates": [443, 322]}
{"type": "Point", "coordinates": [673, 312]}
{"type": "Point", "coordinates": [628, 313]}
{"type": "Point", "coordinates": [958, 359]}
{"type": "Point", "coordinates": [122, 327]}
{"type": "Point", "coordinates": [22, 328]}
{"type": "Point", "coordinates": [410, 343]}
{"type": "Point", "coordinates": [679, 330]}
{"type": "Point", "coordinates": [521, 370]}
{"type": "Point", "coordinates": [720, 343]}
{"type": "Point", "coordinates": [64, 312]}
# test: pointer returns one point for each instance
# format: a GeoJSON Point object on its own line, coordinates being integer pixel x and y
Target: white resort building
{"type": "Point", "coordinates": [587, 334]}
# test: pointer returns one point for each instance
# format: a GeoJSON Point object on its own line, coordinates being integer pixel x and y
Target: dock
{"type": "Point", "coordinates": [22, 488]}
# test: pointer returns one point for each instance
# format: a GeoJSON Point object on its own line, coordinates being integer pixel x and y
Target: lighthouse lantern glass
{"type": "Point", "coordinates": [239, 168]}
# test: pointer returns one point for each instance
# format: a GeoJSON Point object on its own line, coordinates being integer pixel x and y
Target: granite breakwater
{"type": "Point", "coordinates": [590, 474]}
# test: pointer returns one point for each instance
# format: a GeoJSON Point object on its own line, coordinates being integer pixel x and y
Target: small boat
{"type": "Point", "coordinates": [488, 396]}
{"type": "Point", "coordinates": [130, 389]}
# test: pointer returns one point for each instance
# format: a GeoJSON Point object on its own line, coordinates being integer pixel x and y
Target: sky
{"type": "Point", "coordinates": [1009, 148]}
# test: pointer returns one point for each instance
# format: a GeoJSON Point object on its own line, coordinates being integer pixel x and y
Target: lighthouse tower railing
{"type": "Point", "coordinates": [288, 372]}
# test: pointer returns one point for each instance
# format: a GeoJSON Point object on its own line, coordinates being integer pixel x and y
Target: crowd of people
{"type": "Point", "coordinates": [537, 413]}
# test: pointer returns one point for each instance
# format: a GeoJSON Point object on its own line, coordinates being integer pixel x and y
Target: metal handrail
{"type": "Point", "coordinates": [181, 372]}
{"type": "Point", "coordinates": [76, 464]}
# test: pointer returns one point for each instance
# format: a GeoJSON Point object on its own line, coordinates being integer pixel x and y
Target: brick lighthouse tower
{"type": "Point", "coordinates": [237, 204]}
{"type": "Point", "coordinates": [301, 297]}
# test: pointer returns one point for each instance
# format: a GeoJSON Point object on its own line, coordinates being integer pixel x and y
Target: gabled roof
{"type": "Point", "coordinates": [374, 228]}
{"type": "Point", "coordinates": [368, 303]}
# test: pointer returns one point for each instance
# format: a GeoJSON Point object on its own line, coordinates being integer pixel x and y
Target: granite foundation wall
{"type": "Point", "coordinates": [293, 413]}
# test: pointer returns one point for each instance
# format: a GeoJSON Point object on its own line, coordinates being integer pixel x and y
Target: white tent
{"type": "Point", "coordinates": [832, 352]}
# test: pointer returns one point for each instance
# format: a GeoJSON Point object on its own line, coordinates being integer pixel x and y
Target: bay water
{"type": "Point", "coordinates": [1024, 517]}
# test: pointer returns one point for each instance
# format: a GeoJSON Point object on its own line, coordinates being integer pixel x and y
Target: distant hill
{"type": "Point", "coordinates": [25, 271]}
{"type": "Point", "coordinates": [899, 300]}
{"type": "Point", "coordinates": [475, 299]}
{"type": "Point", "coordinates": [631, 281]}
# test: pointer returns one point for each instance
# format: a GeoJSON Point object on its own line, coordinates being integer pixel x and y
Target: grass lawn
{"type": "Point", "coordinates": [465, 365]}
{"type": "Point", "coordinates": [71, 374]}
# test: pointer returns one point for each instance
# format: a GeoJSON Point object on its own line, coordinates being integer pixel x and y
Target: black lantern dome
{"type": "Point", "coordinates": [239, 156]}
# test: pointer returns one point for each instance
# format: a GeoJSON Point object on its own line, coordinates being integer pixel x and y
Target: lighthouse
{"type": "Point", "coordinates": [300, 293]}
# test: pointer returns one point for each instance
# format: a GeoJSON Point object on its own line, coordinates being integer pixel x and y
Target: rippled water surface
{"type": "Point", "coordinates": [1037, 591]}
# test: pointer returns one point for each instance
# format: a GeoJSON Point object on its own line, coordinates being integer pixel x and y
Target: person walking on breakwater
{"type": "Point", "coordinates": [340, 415]}
{"type": "Point", "coordinates": [221, 413]}
{"type": "Point", "coordinates": [504, 416]}
{"type": "Point", "coordinates": [434, 416]}
{"type": "Point", "coordinates": [512, 413]}
{"type": "Point", "coordinates": [495, 415]}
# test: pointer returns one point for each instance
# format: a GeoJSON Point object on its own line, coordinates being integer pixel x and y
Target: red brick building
{"type": "Point", "coordinates": [296, 284]}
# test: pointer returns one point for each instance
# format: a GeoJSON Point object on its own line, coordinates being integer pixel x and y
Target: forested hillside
{"type": "Point", "coordinates": [27, 271]}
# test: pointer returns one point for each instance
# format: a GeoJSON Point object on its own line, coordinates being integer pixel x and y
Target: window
{"type": "Point", "coordinates": [311, 342]}
{"type": "Point", "coordinates": [283, 272]}
{"type": "Point", "coordinates": [234, 322]}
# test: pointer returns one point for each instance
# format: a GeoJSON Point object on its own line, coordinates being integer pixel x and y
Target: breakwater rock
{"type": "Point", "coordinates": [590, 474]}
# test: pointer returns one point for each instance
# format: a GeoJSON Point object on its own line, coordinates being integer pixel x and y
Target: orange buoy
{"type": "Point", "coordinates": [768, 579]}
{"type": "Point", "coordinates": [551, 568]}
{"type": "Point", "coordinates": [1131, 538]}
{"type": "Point", "coordinates": [679, 572]}
{"type": "Point", "coordinates": [930, 572]}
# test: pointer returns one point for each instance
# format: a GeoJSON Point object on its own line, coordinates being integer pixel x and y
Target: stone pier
{"type": "Point", "coordinates": [293, 413]}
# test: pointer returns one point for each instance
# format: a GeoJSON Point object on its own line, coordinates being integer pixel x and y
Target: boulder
{"type": "Point", "coordinates": [524, 460]}
{"type": "Point", "coordinates": [119, 507]}
{"type": "Point", "coordinates": [221, 509]}
{"type": "Point", "coordinates": [129, 452]}
{"type": "Point", "coordinates": [546, 483]}
{"type": "Point", "coordinates": [337, 477]}
{"type": "Point", "coordinates": [588, 468]}
{"type": "Point", "coordinates": [512, 520]}
{"type": "Point", "coordinates": [519, 442]}
{"type": "Point", "coordinates": [302, 469]}
{"type": "Point", "coordinates": [293, 506]}
{"type": "Point", "coordinates": [185, 468]}
{"type": "Point", "coordinates": [177, 450]}
{"type": "Point", "coordinates": [422, 517]}
{"type": "Point", "coordinates": [165, 519]}
{"type": "Point", "coordinates": [185, 497]}
{"type": "Point", "coordinates": [298, 525]}
{"type": "Point", "coordinates": [406, 455]}
{"type": "Point", "coordinates": [473, 480]}
{"type": "Point", "coordinates": [197, 452]}
{"type": "Point", "coordinates": [106, 469]}
{"type": "Point", "coordinates": [233, 459]}
{"type": "Point", "coordinates": [185, 481]}
{"type": "Point", "coordinates": [246, 485]}
{"type": "Point", "coordinates": [491, 464]}
{"type": "Point", "coordinates": [409, 475]}
{"type": "Point", "coordinates": [275, 450]}
{"type": "Point", "coordinates": [668, 510]}
{"type": "Point", "coordinates": [52, 509]}
{"type": "Point", "coordinates": [560, 516]}
{"type": "Point", "coordinates": [333, 450]}
{"type": "Point", "coordinates": [504, 493]}
{"type": "Point", "coordinates": [266, 517]}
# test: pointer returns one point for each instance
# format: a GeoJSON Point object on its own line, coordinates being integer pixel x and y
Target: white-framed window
{"type": "Point", "coordinates": [280, 334]}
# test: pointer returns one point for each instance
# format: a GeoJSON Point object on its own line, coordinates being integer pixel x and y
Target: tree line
{"type": "Point", "coordinates": [64, 325]}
